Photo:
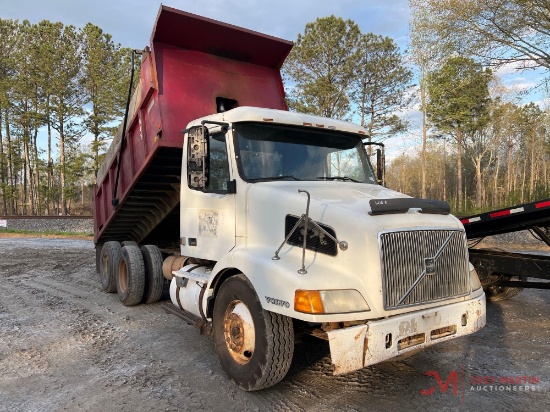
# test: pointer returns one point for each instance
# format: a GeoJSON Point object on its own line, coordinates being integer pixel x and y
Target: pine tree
{"type": "Point", "coordinates": [105, 79]}
{"type": "Point", "coordinates": [379, 85]}
{"type": "Point", "coordinates": [322, 65]}
{"type": "Point", "coordinates": [67, 98]}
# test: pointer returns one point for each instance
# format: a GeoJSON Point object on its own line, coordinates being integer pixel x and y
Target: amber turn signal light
{"type": "Point", "coordinates": [308, 301]}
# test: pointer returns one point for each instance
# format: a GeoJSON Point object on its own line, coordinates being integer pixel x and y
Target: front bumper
{"type": "Point", "coordinates": [359, 346]}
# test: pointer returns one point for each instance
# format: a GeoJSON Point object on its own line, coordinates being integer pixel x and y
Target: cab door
{"type": "Point", "coordinates": [207, 220]}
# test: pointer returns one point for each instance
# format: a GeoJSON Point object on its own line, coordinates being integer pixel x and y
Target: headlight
{"type": "Point", "coordinates": [329, 301]}
{"type": "Point", "coordinates": [475, 283]}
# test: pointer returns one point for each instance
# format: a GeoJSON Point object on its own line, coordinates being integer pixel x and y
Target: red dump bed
{"type": "Point", "coordinates": [192, 64]}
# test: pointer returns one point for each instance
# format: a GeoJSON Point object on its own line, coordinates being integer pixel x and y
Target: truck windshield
{"type": "Point", "coordinates": [280, 152]}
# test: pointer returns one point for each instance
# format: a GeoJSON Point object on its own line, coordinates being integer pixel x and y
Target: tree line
{"type": "Point", "coordinates": [500, 146]}
{"type": "Point", "coordinates": [60, 82]}
{"type": "Point", "coordinates": [481, 148]}
{"type": "Point", "coordinates": [475, 143]}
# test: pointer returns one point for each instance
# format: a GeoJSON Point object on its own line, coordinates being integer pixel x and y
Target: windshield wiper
{"type": "Point", "coordinates": [338, 178]}
{"type": "Point", "coordinates": [266, 179]}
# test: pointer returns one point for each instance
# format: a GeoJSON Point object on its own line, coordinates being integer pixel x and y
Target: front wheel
{"type": "Point", "coordinates": [254, 346]}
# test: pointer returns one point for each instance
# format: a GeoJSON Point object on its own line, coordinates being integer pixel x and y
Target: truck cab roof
{"type": "Point", "coordinates": [255, 114]}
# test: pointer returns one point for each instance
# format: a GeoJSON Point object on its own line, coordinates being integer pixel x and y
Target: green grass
{"type": "Point", "coordinates": [45, 232]}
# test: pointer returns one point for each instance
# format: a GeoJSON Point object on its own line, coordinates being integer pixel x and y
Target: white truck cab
{"type": "Point", "coordinates": [283, 225]}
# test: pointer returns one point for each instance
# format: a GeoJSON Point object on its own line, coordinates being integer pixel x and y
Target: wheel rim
{"type": "Point", "coordinates": [122, 276]}
{"type": "Point", "coordinates": [239, 333]}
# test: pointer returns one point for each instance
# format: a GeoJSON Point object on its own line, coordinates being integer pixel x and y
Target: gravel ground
{"type": "Point", "coordinates": [66, 345]}
{"type": "Point", "coordinates": [45, 224]}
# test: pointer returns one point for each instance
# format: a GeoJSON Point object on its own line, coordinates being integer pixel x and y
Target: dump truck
{"type": "Point", "coordinates": [264, 224]}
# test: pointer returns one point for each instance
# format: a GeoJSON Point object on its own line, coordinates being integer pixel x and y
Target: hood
{"type": "Point", "coordinates": [347, 195]}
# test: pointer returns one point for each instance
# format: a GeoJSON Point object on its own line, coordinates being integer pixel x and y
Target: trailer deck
{"type": "Point", "coordinates": [497, 268]}
{"type": "Point", "coordinates": [533, 215]}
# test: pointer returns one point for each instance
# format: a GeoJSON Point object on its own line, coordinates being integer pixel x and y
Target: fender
{"type": "Point", "coordinates": [275, 282]}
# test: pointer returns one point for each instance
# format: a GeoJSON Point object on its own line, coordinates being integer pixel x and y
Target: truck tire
{"type": "Point", "coordinates": [254, 346]}
{"type": "Point", "coordinates": [154, 279]}
{"type": "Point", "coordinates": [498, 293]}
{"type": "Point", "coordinates": [128, 243]}
{"type": "Point", "coordinates": [130, 276]}
{"type": "Point", "coordinates": [108, 266]}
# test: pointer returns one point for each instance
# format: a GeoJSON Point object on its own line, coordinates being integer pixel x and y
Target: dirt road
{"type": "Point", "coordinates": [66, 345]}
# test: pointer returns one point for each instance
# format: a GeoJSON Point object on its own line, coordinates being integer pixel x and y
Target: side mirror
{"type": "Point", "coordinates": [380, 162]}
{"type": "Point", "coordinates": [197, 158]}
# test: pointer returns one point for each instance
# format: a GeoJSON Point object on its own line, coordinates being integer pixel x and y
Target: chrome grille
{"type": "Point", "coordinates": [429, 264]}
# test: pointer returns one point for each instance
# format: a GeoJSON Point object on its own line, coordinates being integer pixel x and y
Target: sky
{"type": "Point", "coordinates": [131, 22]}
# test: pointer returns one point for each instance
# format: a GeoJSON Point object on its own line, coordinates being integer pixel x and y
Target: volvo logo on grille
{"type": "Point", "coordinates": [429, 266]}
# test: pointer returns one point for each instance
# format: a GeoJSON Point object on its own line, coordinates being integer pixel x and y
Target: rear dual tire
{"type": "Point", "coordinates": [154, 279]}
{"type": "Point", "coordinates": [131, 276]}
{"type": "Point", "coordinates": [111, 253]}
{"type": "Point", "coordinates": [132, 272]}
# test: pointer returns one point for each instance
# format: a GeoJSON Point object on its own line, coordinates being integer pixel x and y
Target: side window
{"type": "Point", "coordinates": [219, 163]}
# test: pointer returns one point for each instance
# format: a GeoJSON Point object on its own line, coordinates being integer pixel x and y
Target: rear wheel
{"type": "Point", "coordinates": [108, 266]}
{"type": "Point", "coordinates": [254, 346]}
{"type": "Point", "coordinates": [498, 293]}
{"type": "Point", "coordinates": [154, 279]}
{"type": "Point", "coordinates": [130, 276]}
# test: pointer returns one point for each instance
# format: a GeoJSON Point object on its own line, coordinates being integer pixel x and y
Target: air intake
{"type": "Point", "coordinates": [317, 241]}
